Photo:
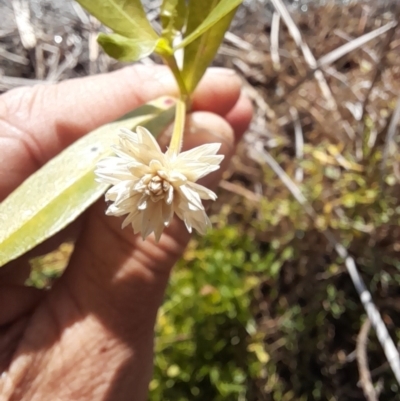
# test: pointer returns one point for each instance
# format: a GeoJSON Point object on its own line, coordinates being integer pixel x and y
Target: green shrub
{"type": "Point", "coordinates": [207, 347]}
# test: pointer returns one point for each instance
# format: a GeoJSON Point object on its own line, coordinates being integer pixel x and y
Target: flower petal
{"type": "Point", "coordinates": [141, 146]}
{"type": "Point", "coordinates": [131, 136]}
{"type": "Point", "coordinates": [120, 192]}
{"type": "Point", "coordinates": [157, 232]}
{"type": "Point", "coordinates": [143, 202]}
{"type": "Point", "coordinates": [170, 195]}
{"type": "Point", "coordinates": [152, 220]}
{"type": "Point", "coordinates": [191, 196]}
{"type": "Point", "coordinates": [188, 225]}
{"type": "Point", "coordinates": [207, 149]}
{"type": "Point", "coordinates": [167, 212]}
{"type": "Point", "coordinates": [172, 176]}
{"type": "Point", "coordinates": [125, 206]}
{"type": "Point", "coordinates": [194, 171]}
{"type": "Point", "coordinates": [138, 169]}
{"type": "Point", "coordinates": [199, 221]}
{"type": "Point", "coordinates": [217, 159]}
{"type": "Point", "coordinates": [130, 218]}
{"type": "Point", "coordinates": [196, 219]}
{"type": "Point", "coordinates": [203, 192]}
{"type": "Point", "coordinates": [147, 139]}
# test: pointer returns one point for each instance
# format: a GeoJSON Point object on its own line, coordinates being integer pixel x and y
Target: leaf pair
{"type": "Point", "coordinates": [200, 25]}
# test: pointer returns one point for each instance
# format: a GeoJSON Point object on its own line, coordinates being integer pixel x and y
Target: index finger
{"type": "Point", "coordinates": [37, 123]}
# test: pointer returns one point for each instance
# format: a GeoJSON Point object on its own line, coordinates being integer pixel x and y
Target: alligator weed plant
{"type": "Point", "coordinates": [142, 183]}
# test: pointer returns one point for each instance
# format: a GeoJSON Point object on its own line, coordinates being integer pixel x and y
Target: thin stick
{"type": "Point", "coordinates": [390, 136]}
{"type": "Point", "coordinates": [341, 51]}
{"type": "Point", "coordinates": [13, 57]}
{"type": "Point", "coordinates": [274, 49]}
{"type": "Point", "coordinates": [238, 190]}
{"type": "Point", "coordinates": [93, 45]}
{"type": "Point", "coordinates": [308, 56]}
{"type": "Point", "coordinates": [238, 42]}
{"type": "Point", "coordinates": [362, 362]}
{"type": "Point", "coordinates": [23, 19]}
{"type": "Point", "coordinates": [299, 142]}
{"type": "Point", "coordinates": [80, 13]}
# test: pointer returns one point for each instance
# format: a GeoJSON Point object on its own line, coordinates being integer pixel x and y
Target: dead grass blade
{"type": "Point", "coordinates": [308, 56]}
{"type": "Point", "coordinates": [341, 51]}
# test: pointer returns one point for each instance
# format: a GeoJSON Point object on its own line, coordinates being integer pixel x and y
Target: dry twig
{"type": "Point", "coordinates": [394, 121]}
{"type": "Point", "coordinates": [308, 56]}
{"type": "Point", "coordinates": [276, 62]}
{"type": "Point", "coordinates": [362, 362]}
{"type": "Point", "coordinates": [299, 142]}
{"type": "Point", "coordinates": [23, 20]}
{"type": "Point", "coordinates": [239, 190]}
{"type": "Point", "coordinates": [357, 43]}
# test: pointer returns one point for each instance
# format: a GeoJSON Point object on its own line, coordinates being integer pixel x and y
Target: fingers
{"type": "Point", "coordinates": [218, 91]}
{"type": "Point", "coordinates": [61, 113]}
{"type": "Point", "coordinates": [239, 117]}
{"type": "Point", "coordinates": [37, 123]}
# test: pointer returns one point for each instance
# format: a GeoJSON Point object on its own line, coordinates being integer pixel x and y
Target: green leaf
{"type": "Point", "coordinates": [200, 11]}
{"type": "Point", "coordinates": [125, 49]}
{"type": "Point", "coordinates": [62, 189]}
{"type": "Point", "coordinates": [128, 19]}
{"type": "Point", "coordinates": [210, 20]}
{"type": "Point", "coordinates": [173, 16]}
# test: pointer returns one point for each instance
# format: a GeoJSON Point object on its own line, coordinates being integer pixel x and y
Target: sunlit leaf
{"type": "Point", "coordinates": [210, 20]}
{"type": "Point", "coordinates": [63, 188]}
{"type": "Point", "coordinates": [173, 17]}
{"type": "Point", "coordinates": [219, 10]}
{"type": "Point", "coordinates": [125, 49]}
{"type": "Point", "coordinates": [127, 19]}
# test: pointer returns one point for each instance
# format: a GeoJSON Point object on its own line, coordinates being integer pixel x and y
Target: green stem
{"type": "Point", "coordinates": [171, 62]}
{"type": "Point", "coordinates": [175, 145]}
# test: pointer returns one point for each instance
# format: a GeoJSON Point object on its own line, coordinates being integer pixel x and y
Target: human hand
{"type": "Point", "coordinates": [91, 336]}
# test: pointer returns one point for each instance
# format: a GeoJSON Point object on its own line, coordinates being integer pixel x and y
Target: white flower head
{"type": "Point", "coordinates": [149, 186]}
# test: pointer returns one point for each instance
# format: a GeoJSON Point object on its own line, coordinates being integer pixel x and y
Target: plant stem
{"type": "Point", "coordinates": [181, 104]}
{"type": "Point", "coordinates": [179, 126]}
{"type": "Point", "coordinates": [171, 62]}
